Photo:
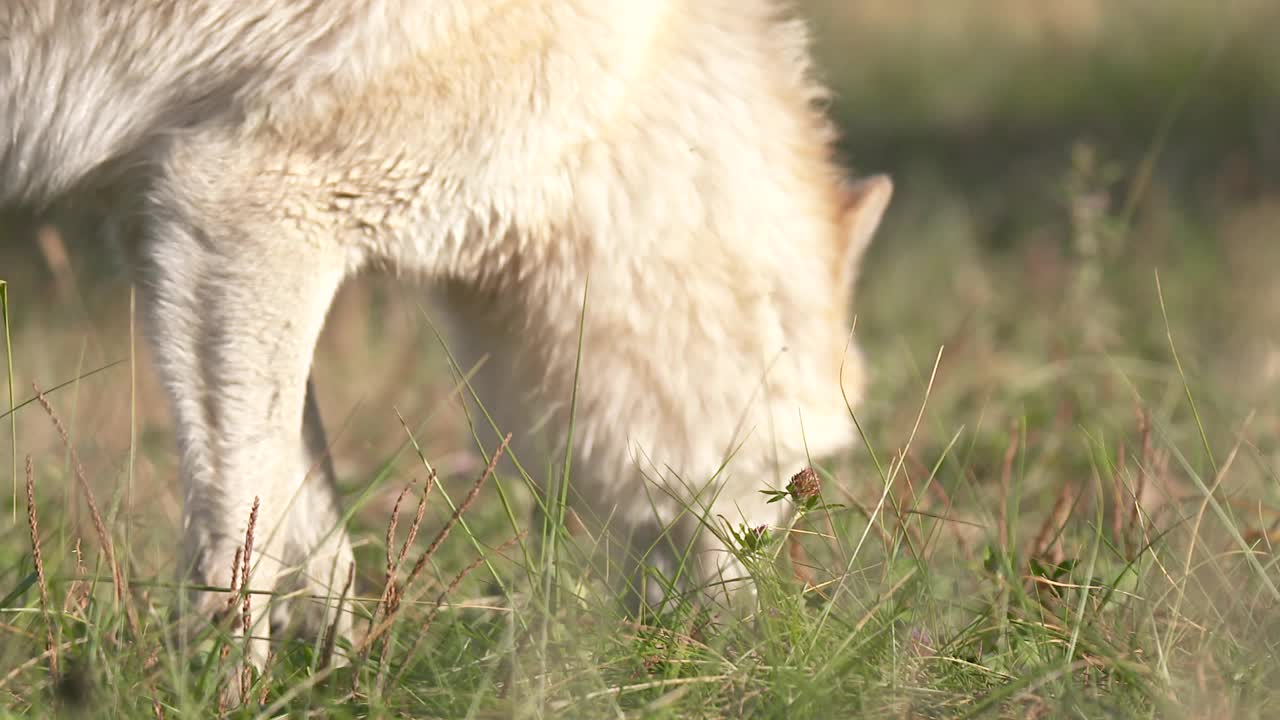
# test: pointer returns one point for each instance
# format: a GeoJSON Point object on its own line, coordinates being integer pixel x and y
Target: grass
{"type": "Point", "coordinates": [1069, 542]}
{"type": "Point", "coordinates": [1064, 500]}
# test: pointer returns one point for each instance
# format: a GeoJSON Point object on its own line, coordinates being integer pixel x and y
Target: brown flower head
{"type": "Point", "coordinates": [805, 486]}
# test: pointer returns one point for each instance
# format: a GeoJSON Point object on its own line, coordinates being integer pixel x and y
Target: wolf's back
{"type": "Point", "coordinates": [87, 84]}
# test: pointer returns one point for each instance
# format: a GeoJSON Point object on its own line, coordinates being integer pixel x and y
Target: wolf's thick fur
{"type": "Point", "coordinates": [506, 151]}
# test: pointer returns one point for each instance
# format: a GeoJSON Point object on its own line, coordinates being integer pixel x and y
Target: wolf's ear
{"type": "Point", "coordinates": [864, 204]}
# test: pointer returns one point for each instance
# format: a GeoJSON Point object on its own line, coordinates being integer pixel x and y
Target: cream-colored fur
{"type": "Point", "coordinates": [670, 152]}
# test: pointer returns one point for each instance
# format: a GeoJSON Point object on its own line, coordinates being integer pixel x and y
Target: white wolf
{"type": "Point", "coordinates": [671, 152]}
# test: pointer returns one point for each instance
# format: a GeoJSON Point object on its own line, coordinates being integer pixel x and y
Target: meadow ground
{"type": "Point", "coordinates": [1064, 502]}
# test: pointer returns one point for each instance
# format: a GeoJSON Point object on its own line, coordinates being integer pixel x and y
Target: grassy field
{"type": "Point", "coordinates": [1064, 503]}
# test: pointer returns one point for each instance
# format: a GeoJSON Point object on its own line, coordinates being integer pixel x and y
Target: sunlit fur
{"type": "Point", "coordinates": [507, 152]}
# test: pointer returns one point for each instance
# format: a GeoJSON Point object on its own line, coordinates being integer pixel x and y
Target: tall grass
{"type": "Point", "coordinates": [1064, 501]}
{"type": "Point", "coordinates": [1005, 561]}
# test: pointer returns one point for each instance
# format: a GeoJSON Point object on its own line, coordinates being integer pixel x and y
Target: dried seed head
{"type": "Point", "coordinates": [804, 486]}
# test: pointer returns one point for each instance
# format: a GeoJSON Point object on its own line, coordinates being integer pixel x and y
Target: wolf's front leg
{"type": "Point", "coordinates": [235, 312]}
{"type": "Point", "coordinates": [318, 546]}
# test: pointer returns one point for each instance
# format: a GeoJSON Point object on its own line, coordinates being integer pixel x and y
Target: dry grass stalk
{"type": "Point", "coordinates": [246, 674]}
{"type": "Point", "coordinates": [1153, 462]}
{"type": "Point", "coordinates": [223, 698]}
{"type": "Point", "coordinates": [390, 598]}
{"type": "Point", "coordinates": [32, 662]}
{"type": "Point", "coordinates": [1148, 463]}
{"type": "Point", "coordinates": [435, 611]}
{"type": "Point", "coordinates": [905, 504]}
{"type": "Point", "coordinates": [117, 577]}
{"type": "Point", "coordinates": [801, 566]}
{"type": "Point", "coordinates": [331, 633]}
{"type": "Point", "coordinates": [1118, 527]}
{"type": "Point", "coordinates": [462, 575]}
{"type": "Point", "coordinates": [233, 591]}
{"type": "Point", "coordinates": [418, 515]}
{"type": "Point", "coordinates": [50, 646]}
{"type": "Point", "coordinates": [465, 505]}
{"type": "Point", "coordinates": [390, 591]}
{"type": "Point", "coordinates": [392, 524]}
{"type": "Point", "coordinates": [230, 612]}
{"type": "Point", "coordinates": [1006, 483]}
{"type": "Point", "coordinates": [246, 553]}
{"type": "Point", "coordinates": [1149, 492]}
{"type": "Point", "coordinates": [267, 667]}
{"type": "Point", "coordinates": [148, 666]}
{"type": "Point", "coordinates": [78, 590]}
{"type": "Point", "coordinates": [238, 609]}
{"type": "Point", "coordinates": [389, 614]}
{"type": "Point", "coordinates": [394, 563]}
{"type": "Point", "coordinates": [1048, 541]}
